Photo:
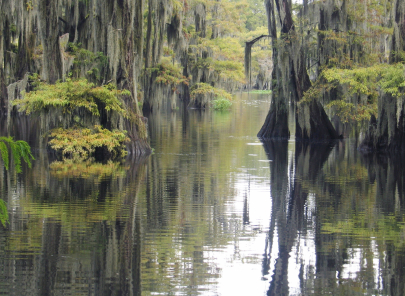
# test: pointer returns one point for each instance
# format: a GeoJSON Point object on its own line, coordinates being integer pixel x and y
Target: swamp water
{"type": "Point", "coordinates": [212, 212]}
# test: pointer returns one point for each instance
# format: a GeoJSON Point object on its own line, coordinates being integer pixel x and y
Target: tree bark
{"type": "Point", "coordinates": [387, 133]}
{"type": "Point", "coordinates": [292, 82]}
{"type": "Point", "coordinates": [52, 63]}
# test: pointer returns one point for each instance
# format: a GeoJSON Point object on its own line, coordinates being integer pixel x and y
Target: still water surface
{"type": "Point", "coordinates": [213, 211]}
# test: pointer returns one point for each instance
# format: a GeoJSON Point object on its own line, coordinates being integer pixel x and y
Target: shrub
{"type": "Point", "coordinates": [70, 95]}
{"type": "Point", "coordinates": [81, 143]}
{"type": "Point", "coordinates": [221, 104]}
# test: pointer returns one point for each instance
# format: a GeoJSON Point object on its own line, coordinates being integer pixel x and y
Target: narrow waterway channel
{"type": "Point", "coordinates": [213, 211]}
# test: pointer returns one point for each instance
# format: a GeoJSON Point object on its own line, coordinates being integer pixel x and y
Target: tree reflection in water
{"type": "Point", "coordinates": [79, 230]}
{"type": "Point", "coordinates": [357, 219]}
{"type": "Point", "coordinates": [198, 222]}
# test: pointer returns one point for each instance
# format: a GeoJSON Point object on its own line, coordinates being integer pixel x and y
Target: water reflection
{"type": "Point", "coordinates": [213, 211]}
{"type": "Point", "coordinates": [73, 230]}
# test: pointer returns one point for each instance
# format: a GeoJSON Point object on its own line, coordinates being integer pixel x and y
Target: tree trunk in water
{"type": "Point", "coordinates": [313, 124]}
{"type": "Point", "coordinates": [293, 81]}
{"type": "Point", "coordinates": [276, 123]}
{"type": "Point", "coordinates": [387, 134]}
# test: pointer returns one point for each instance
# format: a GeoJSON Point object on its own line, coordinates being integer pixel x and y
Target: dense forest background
{"type": "Point", "coordinates": [339, 62]}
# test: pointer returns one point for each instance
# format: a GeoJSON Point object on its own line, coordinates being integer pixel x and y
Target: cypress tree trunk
{"type": "Point", "coordinates": [292, 82]}
{"type": "Point", "coordinates": [51, 62]}
{"type": "Point", "coordinates": [276, 123]}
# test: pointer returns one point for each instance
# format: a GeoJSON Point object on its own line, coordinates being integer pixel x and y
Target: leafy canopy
{"type": "Point", "coordinates": [70, 95]}
{"type": "Point", "coordinates": [361, 81]}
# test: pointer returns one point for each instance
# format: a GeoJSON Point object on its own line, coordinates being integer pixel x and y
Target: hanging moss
{"type": "Point", "coordinates": [202, 95]}
{"type": "Point", "coordinates": [109, 34]}
{"type": "Point", "coordinates": [169, 74]}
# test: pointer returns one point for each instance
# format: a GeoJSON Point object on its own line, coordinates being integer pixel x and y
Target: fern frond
{"type": "Point", "coordinates": [4, 154]}
{"type": "Point", "coordinates": [19, 149]}
{"type": "Point", "coordinates": [3, 213]}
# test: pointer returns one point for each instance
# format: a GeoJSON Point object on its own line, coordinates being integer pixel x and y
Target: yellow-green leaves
{"type": "Point", "coordinates": [81, 143]}
{"type": "Point", "coordinates": [3, 213]}
{"type": "Point", "coordinates": [70, 95]}
{"type": "Point", "coordinates": [169, 74]}
{"type": "Point", "coordinates": [393, 80]}
{"type": "Point", "coordinates": [360, 88]}
{"type": "Point", "coordinates": [204, 88]}
{"type": "Point", "coordinates": [349, 112]}
{"type": "Point", "coordinates": [369, 80]}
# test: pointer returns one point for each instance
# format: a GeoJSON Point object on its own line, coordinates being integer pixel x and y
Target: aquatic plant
{"type": "Point", "coordinates": [221, 104]}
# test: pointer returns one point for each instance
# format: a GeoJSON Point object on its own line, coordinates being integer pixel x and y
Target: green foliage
{"type": "Point", "coordinates": [362, 81]}
{"type": "Point", "coordinates": [230, 70]}
{"type": "Point", "coordinates": [29, 5]}
{"type": "Point", "coordinates": [19, 150]}
{"type": "Point", "coordinates": [81, 143]}
{"type": "Point", "coordinates": [169, 74]}
{"type": "Point", "coordinates": [369, 80]}
{"type": "Point", "coordinates": [393, 79]}
{"type": "Point", "coordinates": [221, 104]}
{"type": "Point", "coordinates": [204, 88]}
{"type": "Point", "coordinates": [3, 213]}
{"type": "Point", "coordinates": [255, 15]}
{"type": "Point", "coordinates": [71, 95]}
{"type": "Point", "coordinates": [349, 112]}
